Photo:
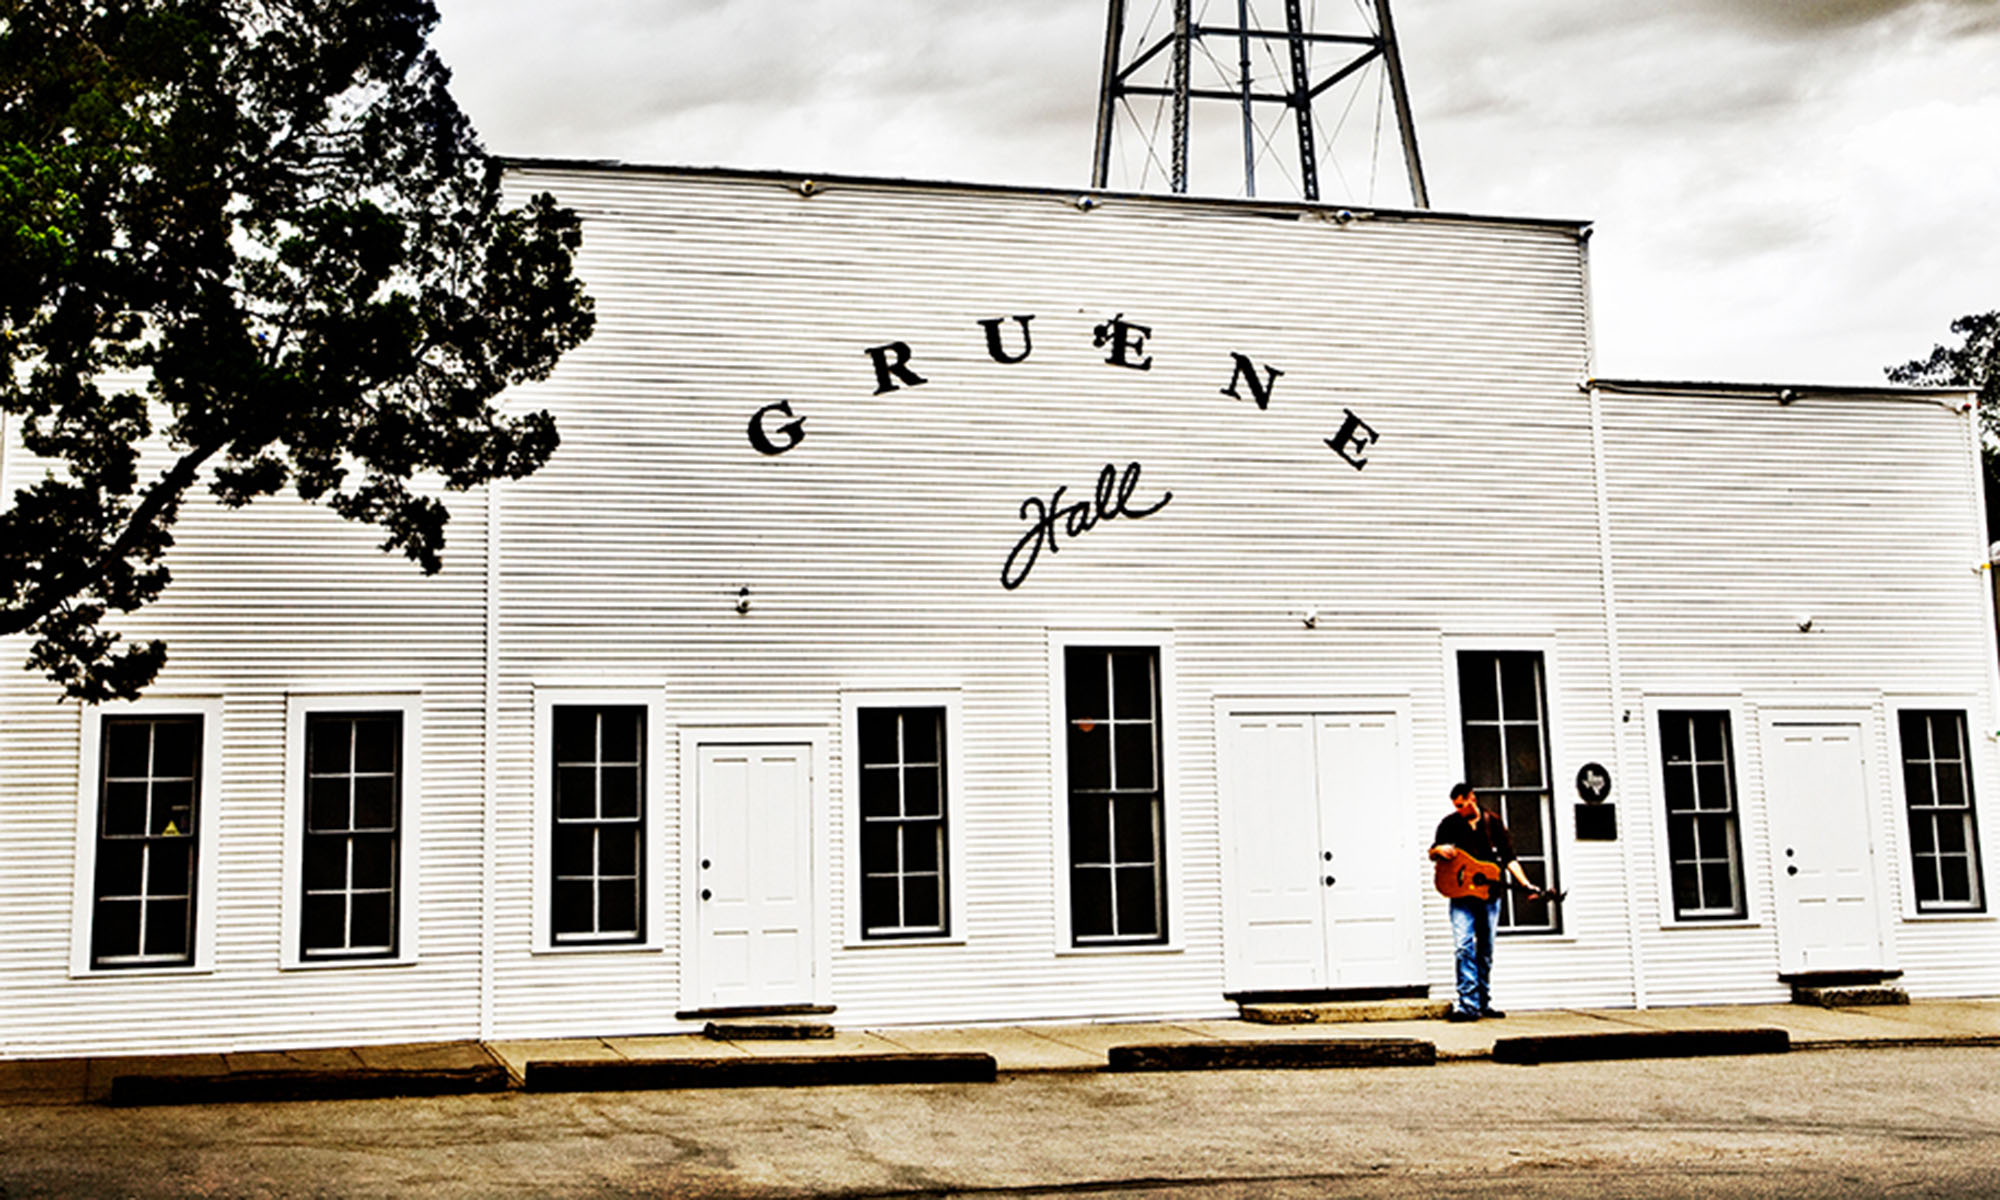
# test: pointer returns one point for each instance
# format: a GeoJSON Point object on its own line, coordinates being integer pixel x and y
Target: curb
{"type": "Point", "coordinates": [1660, 1043]}
{"type": "Point", "coordinates": [1277, 1055]}
{"type": "Point", "coordinates": [817, 1070]}
{"type": "Point", "coordinates": [265, 1086]}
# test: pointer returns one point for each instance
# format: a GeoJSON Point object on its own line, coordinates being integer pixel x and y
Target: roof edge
{"type": "Point", "coordinates": [1238, 205]}
{"type": "Point", "coordinates": [1960, 399]}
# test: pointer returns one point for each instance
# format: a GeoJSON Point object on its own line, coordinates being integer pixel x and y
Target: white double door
{"type": "Point", "coordinates": [1324, 872]}
{"type": "Point", "coordinates": [1829, 906]}
{"type": "Point", "coordinates": [754, 939]}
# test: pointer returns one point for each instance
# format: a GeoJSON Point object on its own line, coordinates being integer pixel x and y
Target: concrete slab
{"type": "Point", "coordinates": [1013, 1047]}
{"type": "Point", "coordinates": [1097, 1039]}
{"type": "Point", "coordinates": [43, 1081]}
{"type": "Point", "coordinates": [425, 1056]}
{"type": "Point", "coordinates": [292, 1060]}
{"type": "Point", "coordinates": [674, 1046]}
{"type": "Point", "coordinates": [516, 1055]}
{"type": "Point", "coordinates": [849, 1042]}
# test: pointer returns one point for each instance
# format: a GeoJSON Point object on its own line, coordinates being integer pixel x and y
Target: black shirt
{"type": "Point", "coordinates": [1487, 842]}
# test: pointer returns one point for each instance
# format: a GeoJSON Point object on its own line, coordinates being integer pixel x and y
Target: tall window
{"type": "Point", "coordinates": [1504, 719]}
{"type": "Point", "coordinates": [354, 802]}
{"type": "Point", "coordinates": [1702, 842]}
{"type": "Point", "coordinates": [1117, 857]}
{"type": "Point", "coordinates": [1937, 786]}
{"type": "Point", "coordinates": [599, 837]}
{"type": "Point", "coordinates": [902, 821]}
{"type": "Point", "coordinates": [143, 907]}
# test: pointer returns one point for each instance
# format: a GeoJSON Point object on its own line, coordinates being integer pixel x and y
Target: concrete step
{"type": "Point", "coordinates": [1329, 1012]}
{"type": "Point", "coordinates": [1854, 996]}
{"type": "Point", "coordinates": [766, 1030]}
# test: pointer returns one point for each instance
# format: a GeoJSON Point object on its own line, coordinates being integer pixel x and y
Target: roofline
{"type": "Point", "coordinates": [1270, 208]}
{"type": "Point", "coordinates": [1958, 399]}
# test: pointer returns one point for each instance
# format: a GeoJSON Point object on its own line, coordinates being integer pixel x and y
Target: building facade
{"type": "Point", "coordinates": [959, 605]}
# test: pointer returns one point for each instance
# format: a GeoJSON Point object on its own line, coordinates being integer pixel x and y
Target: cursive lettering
{"type": "Point", "coordinates": [1113, 498]}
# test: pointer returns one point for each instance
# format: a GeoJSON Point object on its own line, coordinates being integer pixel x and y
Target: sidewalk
{"type": "Point", "coordinates": [980, 1052]}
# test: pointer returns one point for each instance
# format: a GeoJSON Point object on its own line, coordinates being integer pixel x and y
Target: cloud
{"type": "Point", "coordinates": [1829, 16]}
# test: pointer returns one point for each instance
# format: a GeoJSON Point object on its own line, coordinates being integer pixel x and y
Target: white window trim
{"type": "Point", "coordinates": [1754, 881]}
{"type": "Point", "coordinates": [653, 890]}
{"type": "Point", "coordinates": [208, 796]}
{"type": "Point", "coordinates": [847, 809]}
{"type": "Point", "coordinates": [299, 704]}
{"type": "Point", "coordinates": [1060, 640]}
{"type": "Point", "coordinates": [1560, 833]}
{"type": "Point", "coordinates": [1894, 704]}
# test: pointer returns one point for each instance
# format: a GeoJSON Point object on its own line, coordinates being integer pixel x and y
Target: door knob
{"type": "Point", "coordinates": [1791, 870]}
{"type": "Point", "coordinates": [1326, 855]}
{"type": "Point", "coordinates": [705, 893]}
{"type": "Point", "coordinates": [1329, 881]}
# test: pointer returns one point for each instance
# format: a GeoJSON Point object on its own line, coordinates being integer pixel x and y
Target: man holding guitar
{"type": "Point", "coordinates": [1474, 857]}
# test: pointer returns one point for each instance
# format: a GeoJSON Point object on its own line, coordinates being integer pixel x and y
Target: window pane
{"type": "Point", "coordinates": [1132, 822]}
{"type": "Point", "coordinates": [125, 809]}
{"type": "Point", "coordinates": [1520, 687]}
{"type": "Point", "coordinates": [1090, 756]}
{"type": "Point", "coordinates": [329, 746]}
{"type": "Point", "coordinates": [1956, 881]}
{"type": "Point", "coordinates": [1676, 745]}
{"type": "Point", "coordinates": [1718, 886]}
{"type": "Point", "coordinates": [128, 748]}
{"type": "Point", "coordinates": [1679, 785]}
{"type": "Point", "coordinates": [1133, 769]}
{"type": "Point", "coordinates": [376, 740]}
{"type": "Point", "coordinates": [1138, 909]}
{"type": "Point", "coordinates": [1709, 734]}
{"type": "Point", "coordinates": [575, 735]}
{"type": "Point", "coordinates": [1482, 757]}
{"type": "Point", "coordinates": [170, 868]}
{"type": "Point", "coordinates": [1086, 682]}
{"type": "Point", "coordinates": [1090, 830]}
{"type": "Point", "coordinates": [1524, 756]}
{"type": "Point", "coordinates": [923, 903]}
{"type": "Point", "coordinates": [1478, 688]}
{"type": "Point", "coordinates": [327, 804]}
{"type": "Point", "coordinates": [618, 852]}
{"type": "Point", "coordinates": [619, 797]}
{"type": "Point", "coordinates": [1951, 835]}
{"type": "Point", "coordinates": [880, 841]}
{"type": "Point", "coordinates": [920, 850]}
{"type": "Point", "coordinates": [375, 802]}
{"type": "Point", "coordinates": [622, 731]}
{"type": "Point", "coordinates": [575, 850]}
{"type": "Point", "coordinates": [1687, 887]}
{"type": "Point", "coordinates": [880, 793]}
{"type": "Point", "coordinates": [923, 792]}
{"type": "Point", "coordinates": [1923, 833]}
{"type": "Point", "coordinates": [1132, 683]}
{"type": "Point", "coordinates": [879, 902]}
{"type": "Point", "coordinates": [167, 928]}
{"type": "Point", "coordinates": [618, 907]}
{"type": "Point", "coordinates": [1680, 839]}
{"type": "Point", "coordinates": [1090, 902]}
{"type": "Point", "coordinates": [114, 929]}
{"type": "Point", "coordinates": [922, 735]}
{"type": "Point", "coordinates": [576, 793]}
{"type": "Point", "coordinates": [372, 922]}
{"type": "Point", "coordinates": [325, 864]}
{"type": "Point", "coordinates": [1917, 784]}
{"type": "Point", "coordinates": [573, 907]}
{"type": "Point", "coordinates": [119, 867]}
{"type": "Point", "coordinates": [1712, 786]}
{"type": "Point", "coordinates": [1523, 816]}
{"type": "Point", "coordinates": [875, 731]}
{"type": "Point", "coordinates": [374, 861]}
{"type": "Point", "coordinates": [1950, 786]}
{"type": "Point", "coordinates": [176, 745]}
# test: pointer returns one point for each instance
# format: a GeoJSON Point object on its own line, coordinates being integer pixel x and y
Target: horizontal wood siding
{"type": "Point", "coordinates": [1734, 517]}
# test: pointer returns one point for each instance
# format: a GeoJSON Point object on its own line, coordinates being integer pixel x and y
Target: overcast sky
{"type": "Point", "coordinates": [1783, 190]}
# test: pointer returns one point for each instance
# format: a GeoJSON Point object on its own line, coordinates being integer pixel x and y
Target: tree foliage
{"type": "Point", "coordinates": [1974, 363]}
{"type": "Point", "coordinates": [259, 238]}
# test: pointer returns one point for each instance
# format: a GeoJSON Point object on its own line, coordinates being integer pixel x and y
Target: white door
{"type": "Point", "coordinates": [1828, 909]}
{"type": "Point", "coordinates": [1321, 879]}
{"type": "Point", "coordinates": [753, 831]}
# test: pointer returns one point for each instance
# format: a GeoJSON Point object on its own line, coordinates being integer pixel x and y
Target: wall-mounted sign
{"type": "Point", "coordinates": [776, 429]}
{"type": "Point", "coordinates": [1593, 783]}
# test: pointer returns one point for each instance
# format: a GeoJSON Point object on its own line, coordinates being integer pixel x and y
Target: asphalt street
{"type": "Point", "coordinates": [1895, 1121]}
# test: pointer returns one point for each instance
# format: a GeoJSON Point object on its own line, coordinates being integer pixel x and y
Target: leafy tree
{"type": "Point", "coordinates": [1974, 364]}
{"type": "Point", "coordinates": [260, 238]}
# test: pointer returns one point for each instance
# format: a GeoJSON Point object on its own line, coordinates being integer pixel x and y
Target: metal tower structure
{"type": "Point", "coordinates": [1285, 60]}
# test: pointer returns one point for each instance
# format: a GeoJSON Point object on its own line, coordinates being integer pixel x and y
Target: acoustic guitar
{"type": "Point", "coordinates": [1460, 874]}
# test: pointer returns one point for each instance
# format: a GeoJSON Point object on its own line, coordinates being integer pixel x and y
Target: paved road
{"type": "Point", "coordinates": [1921, 1122]}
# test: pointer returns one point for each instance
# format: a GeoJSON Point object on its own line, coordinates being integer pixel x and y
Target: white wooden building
{"type": "Point", "coordinates": [958, 604]}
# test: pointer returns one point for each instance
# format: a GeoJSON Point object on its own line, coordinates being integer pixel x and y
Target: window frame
{"type": "Point", "coordinates": [1657, 714]}
{"type": "Point", "coordinates": [1160, 641]}
{"type": "Point", "coordinates": [299, 706]}
{"type": "Point", "coordinates": [1914, 908]}
{"type": "Point", "coordinates": [654, 877]}
{"type": "Point", "coordinates": [852, 701]}
{"type": "Point", "coordinates": [1552, 750]}
{"type": "Point", "coordinates": [207, 794]}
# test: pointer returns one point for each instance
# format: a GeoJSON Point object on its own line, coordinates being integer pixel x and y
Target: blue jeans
{"type": "Point", "coordinates": [1472, 925]}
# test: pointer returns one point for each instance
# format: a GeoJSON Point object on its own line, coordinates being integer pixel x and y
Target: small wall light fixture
{"type": "Point", "coordinates": [743, 600]}
{"type": "Point", "coordinates": [1310, 618]}
{"type": "Point", "coordinates": [1806, 623]}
